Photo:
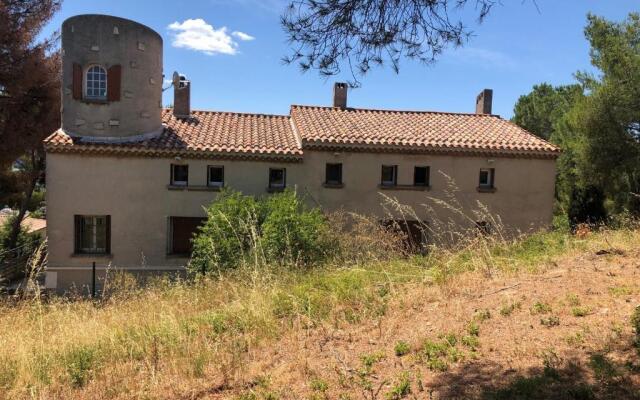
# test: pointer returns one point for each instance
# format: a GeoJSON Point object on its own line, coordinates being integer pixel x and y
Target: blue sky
{"type": "Point", "coordinates": [239, 68]}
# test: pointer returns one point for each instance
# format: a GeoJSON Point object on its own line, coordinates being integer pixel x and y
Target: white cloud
{"type": "Point", "coordinates": [483, 58]}
{"type": "Point", "coordinates": [242, 36]}
{"type": "Point", "coordinates": [198, 35]}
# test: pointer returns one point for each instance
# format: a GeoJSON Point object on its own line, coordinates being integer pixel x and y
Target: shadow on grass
{"type": "Point", "coordinates": [599, 378]}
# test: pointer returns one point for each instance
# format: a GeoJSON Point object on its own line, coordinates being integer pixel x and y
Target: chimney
{"type": "Point", "coordinates": [340, 95]}
{"type": "Point", "coordinates": [483, 102]}
{"type": "Point", "coordinates": [181, 96]}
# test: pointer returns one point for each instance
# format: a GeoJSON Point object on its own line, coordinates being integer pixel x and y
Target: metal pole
{"type": "Point", "coordinates": [93, 280]}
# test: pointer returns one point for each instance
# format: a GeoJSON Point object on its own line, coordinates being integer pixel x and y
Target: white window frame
{"type": "Point", "coordinates": [175, 182]}
{"type": "Point", "coordinates": [489, 183]}
{"type": "Point", "coordinates": [86, 83]}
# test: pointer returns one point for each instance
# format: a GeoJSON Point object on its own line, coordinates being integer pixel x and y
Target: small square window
{"type": "Point", "coordinates": [334, 174]}
{"type": "Point", "coordinates": [92, 234]}
{"type": "Point", "coordinates": [421, 176]}
{"type": "Point", "coordinates": [179, 175]}
{"type": "Point", "coordinates": [216, 176]}
{"type": "Point", "coordinates": [389, 175]}
{"type": "Point", "coordinates": [487, 176]}
{"type": "Point", "coordinates": [277, 178]}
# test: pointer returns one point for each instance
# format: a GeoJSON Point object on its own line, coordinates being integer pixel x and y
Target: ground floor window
{"type": "Point", "coordinates": [181, 231]}
{"type": "Point", "coordinates": [413, 233]}
{"type": "Point", "coordinates": [92, 234]}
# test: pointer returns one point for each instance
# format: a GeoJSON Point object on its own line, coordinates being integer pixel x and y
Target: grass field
{"type": "Point", "coordinates": [545, 316]}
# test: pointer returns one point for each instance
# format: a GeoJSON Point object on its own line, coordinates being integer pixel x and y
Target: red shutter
{"type": "Point", "coordinates": [77, 81]}
{"type": "Point", "coordinates": [114, 76]}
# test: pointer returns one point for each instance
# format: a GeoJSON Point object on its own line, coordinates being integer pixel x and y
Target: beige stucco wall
{"type": "Point", "coordinates": [134, 192]}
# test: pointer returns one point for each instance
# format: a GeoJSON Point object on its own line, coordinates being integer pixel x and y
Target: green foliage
{"type": "Point", "coordinates": [507, 309]}
{"type": "Point", "coordinates": [402, 348]}
{"type": "Point", "coordinates": [580, 311]}
{"type": "Point", "coordinates": [602, 367]}
{"type": "Point", "coordinates": [539, 111]}
{"type": "Point", "coordinates": [540, 308]}
{"type": "Point", "coordinates": [550, 321]}
{"type": "Point", "coordinates": [242, 229]}
{"type": "Point", "coordinates": [401, 389]}
{"type": "Point", "coordinates": [586, 206]}
{"type": "Point", "coordinates": [81, 363]}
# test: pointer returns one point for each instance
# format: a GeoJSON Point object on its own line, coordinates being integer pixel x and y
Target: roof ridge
{"type": "Point", "coordinates": [234, 113]}
{"type": "Point", "coordinates": [399, 111]}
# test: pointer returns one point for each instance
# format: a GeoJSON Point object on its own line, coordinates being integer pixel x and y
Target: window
{"type": "Point", "coordinates": [92, 234]}
{"type": "Point", "coordinates": [96, 83]}
{"type": "Point", "coordinates": [421, 176]}
{"type": "Point", "coordinates": [334, 174]}
{"type": "Point", "coordinates": [484, 227]}
{"type": "Point", "coordinates": [389, 175]}
{"type": "Point", "coordinates": [215, 176]}
{"type": "Point", "coordinates": [181, 231]}
{"type": "Point", "coordinates": [179, 175]}
{"type": "Point", "coordinates": [487, 176]}
{"type": "Point", "coordinates": [277, 178]}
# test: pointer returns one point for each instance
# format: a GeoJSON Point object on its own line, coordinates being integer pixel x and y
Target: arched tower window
{"type": "Point", "coordinates": [96, 83]}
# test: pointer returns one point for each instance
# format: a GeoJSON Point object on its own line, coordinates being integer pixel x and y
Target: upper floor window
{"type": "Point", "coordinates": [389, 175]}
{"type": "Point", "coordinates": [487, 178]}
{"type": "Point", "coordinates": [216, 176]}
{"type": "Point", "coordinates": [277, 178]}
{"type": "Point", "coordinates": [92, 234]}
{"type": "Point", "coordinates": [333, 174]}
{"type": "Point", "coordinates": [421, 176]}
{"type": "Point", "coordinates": [96, 83]}
{"type": "Point", "coordinates": [179, 175]}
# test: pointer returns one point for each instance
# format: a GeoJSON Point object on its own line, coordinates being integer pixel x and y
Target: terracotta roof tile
{"type": "Point", "coordinates": [328, 126]}
{"type": "Point", "coordinates": [209, 134]}
{"type": "Point", "coordinates": [206, 132]}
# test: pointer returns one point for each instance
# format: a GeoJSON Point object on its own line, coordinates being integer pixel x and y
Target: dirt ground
{"type": "Point", "coordinates": [563, 333]}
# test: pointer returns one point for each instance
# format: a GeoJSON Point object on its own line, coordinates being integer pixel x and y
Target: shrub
{"type": "Point", "coordinates": [586, 206]}
{"type": "Point", "coordinates": [580, 311]}
{"type": "Point", "coordinates": [81, 363]}
{"type": "Point", "coordinates": [402, 348]}
{"type": "Point", "coordinates": [550, 321]}
{"type": "Point", "coordinates": [540, 308]}
{"type": "Point", "coordinates": [242, 229]}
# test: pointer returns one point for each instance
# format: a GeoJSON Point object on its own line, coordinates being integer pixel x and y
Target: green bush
{"type": "Point", "coordinates": [279, 229]}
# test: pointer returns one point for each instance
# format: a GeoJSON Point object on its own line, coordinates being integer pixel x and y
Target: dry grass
{"type": "Point", "coordinates": [331, 332]}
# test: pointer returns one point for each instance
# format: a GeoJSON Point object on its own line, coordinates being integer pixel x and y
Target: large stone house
{"type": "Point", "coordinates": [127, 180]}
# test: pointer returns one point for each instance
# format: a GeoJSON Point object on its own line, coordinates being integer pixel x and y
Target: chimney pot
{"type": "Point", "coordinates": [484, 102]}
{"type": "Point", "coordinates": [181, 96]}
{"type": "Point", "coordinates": [340, 94]}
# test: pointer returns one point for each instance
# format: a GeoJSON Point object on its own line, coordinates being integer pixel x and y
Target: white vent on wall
{"type": "Point", "coordinates": [51, 280]}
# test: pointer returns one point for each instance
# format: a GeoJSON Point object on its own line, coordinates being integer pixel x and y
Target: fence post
{"type": "Point", "coordinates": [93, 280]}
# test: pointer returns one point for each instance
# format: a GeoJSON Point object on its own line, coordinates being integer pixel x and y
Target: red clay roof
{"type": "Point", "coordinates": [326, 127]}
{"type": "Point", "coordinates": [214, 134]}
{"type": "Point", "coordinates": [205, 133]}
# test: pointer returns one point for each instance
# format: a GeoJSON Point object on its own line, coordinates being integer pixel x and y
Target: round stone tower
{"type": "Point", "coordinates": [111, 79]}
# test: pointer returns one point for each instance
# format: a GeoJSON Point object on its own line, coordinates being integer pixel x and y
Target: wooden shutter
{"type": "Point", "coordinates": [183, 229]}
{"type": "Point", "coordinates": [77, 81]}
{"type": "Point", "coordinates": [114, 78]}
{"type": "Point", "coordinates": [108, 233]}
{"type": "Point", "coordinates": [77, 233]}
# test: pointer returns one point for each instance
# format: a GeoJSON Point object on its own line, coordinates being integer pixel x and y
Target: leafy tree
{"type": "Point", "coordinates": [328, 34]}
{"type": "Point", "coordinates": [608, 119]}
{"type": "Point", "coordinates": [540, 111]}
{"type": "Point", "coordinates": [29, 94]}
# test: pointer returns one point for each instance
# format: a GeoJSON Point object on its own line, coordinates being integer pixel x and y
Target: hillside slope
{"type": "Point", "coordinates": [546, 317]}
